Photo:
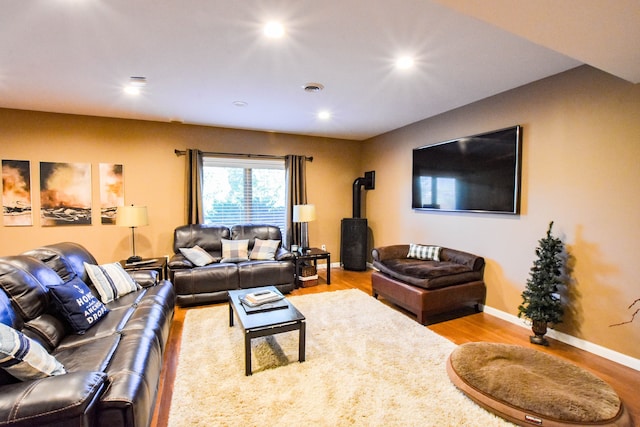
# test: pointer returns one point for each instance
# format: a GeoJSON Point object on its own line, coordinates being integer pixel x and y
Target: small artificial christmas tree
{"type": "Point", "coordinates": [540, 300]}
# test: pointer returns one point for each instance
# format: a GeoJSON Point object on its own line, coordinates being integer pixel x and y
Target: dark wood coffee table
{"type": "Point", "coordinates": [265, 323]}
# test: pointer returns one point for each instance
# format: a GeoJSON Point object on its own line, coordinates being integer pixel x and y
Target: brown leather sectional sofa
{"type": "Point", "coordinates": [209, 283]}
{"type": "Point", "coordinates": [112, 369]}
{"type": "Point", "coordinates": [428, 288]}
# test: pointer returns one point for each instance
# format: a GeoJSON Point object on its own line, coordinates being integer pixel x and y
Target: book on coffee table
{"type": "Point", "coordinates": [276, 305]}
{"type": "Point", "coordinates": [262, 297]}
{"type": "Point", "coordinates": [263, 300]}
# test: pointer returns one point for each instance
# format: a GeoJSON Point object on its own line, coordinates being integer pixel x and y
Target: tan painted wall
{"type": "Point", "coordinates": [154, 175]}
{"type": "Point", "coordinates": [581, 169]}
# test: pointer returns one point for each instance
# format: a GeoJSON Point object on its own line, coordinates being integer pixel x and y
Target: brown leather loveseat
{"type": "Point", "coordinates": [209, 283]}
{"type": "Point", "coordinates": [104, 374]}
{"type": "Point", "coordinates": [428, 287]}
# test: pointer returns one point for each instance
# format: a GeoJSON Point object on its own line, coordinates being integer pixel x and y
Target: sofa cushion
{"type": "Point", "coordinates": [65, 258]}
{"type": "Point", "coordinates": [428, 274]}
{"type": "Point", "coordinates": [24, 358]}
{"type": "Point", "coordinates": [431, 253]}
{"type": "Point", "coordinates": [20, 278]}
{"type": "Point", "coordinates": [197, 256]}
{"type": "Point", "coordinates": [8, 315]}
{"type": "Point", "coordinates": [255, 231]}
{"type": "Point", "coordinates": [423, 269]}
{"type": "Point", "coordinates": [47, 329]}
{"type": "Point", "coordinates": [80, 308]}
{"type": "Point", "coordinates": [206, 236]}
{"type": "Point", "coordinates": [264, 249]}
{"type": "Point", "coordinates": [235, 250]}
{"type": "Point", "coordinates": [111, 280]}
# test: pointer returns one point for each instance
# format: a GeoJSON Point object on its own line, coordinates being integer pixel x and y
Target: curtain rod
{"type": "Point", "coordinates": [257, 156]}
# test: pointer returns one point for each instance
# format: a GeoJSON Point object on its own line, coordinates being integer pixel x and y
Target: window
{"type": "Point", "coordinates": [438, 192]}
{"type": "Point", "coordinates": [236, 191]}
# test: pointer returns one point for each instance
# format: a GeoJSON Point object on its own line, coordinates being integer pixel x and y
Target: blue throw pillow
{"type": "Point", "coordinates": [80, 308]}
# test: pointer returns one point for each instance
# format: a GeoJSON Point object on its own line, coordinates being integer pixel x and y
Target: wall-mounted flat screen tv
{"type": "Point", "coordinates": [479, 173]}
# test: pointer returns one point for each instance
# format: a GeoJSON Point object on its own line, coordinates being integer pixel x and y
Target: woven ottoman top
{"type": "Point", "coordinates": [529, 387]}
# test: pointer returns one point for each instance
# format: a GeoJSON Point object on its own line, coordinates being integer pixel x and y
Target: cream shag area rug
{"type": "Point", "coordinates": [366, 364]}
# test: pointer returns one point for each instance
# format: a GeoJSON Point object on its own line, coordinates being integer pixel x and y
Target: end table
{"type": "Point", "coordinates": [158, 264]}
{"type": "Point", "coordinates": [313, 254]}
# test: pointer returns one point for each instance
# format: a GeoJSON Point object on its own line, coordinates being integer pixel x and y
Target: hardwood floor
{"type": "Point", "coordinates": [470, 328]}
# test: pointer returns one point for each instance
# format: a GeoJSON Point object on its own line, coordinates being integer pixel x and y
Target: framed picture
{"type": "Point", "coordinates": [65, 193]}
{"type": "Point", "coordinates": [16, 193]}
{"type": "Point", "coordinates": [111, 191]}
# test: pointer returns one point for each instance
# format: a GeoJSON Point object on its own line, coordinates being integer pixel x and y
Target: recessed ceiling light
{"type": "Point", "coordinates": [135, 85]}
{"type": "Point", "coordinates": [324, 115]}
{"type": "Point", "coordinates": [240, 103]}
{"type": "Point", "coordinates": [273, 30]}
{"type": "Point", "coordinates": [404, 62]}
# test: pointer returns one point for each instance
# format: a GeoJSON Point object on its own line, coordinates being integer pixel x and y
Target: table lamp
{"type": "Point", "coordinates": [304, 214]}
{"type": "Point", "coordinates": [132, 216]}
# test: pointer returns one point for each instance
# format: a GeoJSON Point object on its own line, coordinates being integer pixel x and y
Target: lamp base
{"type": "Point", "coordinates": [134, 258]}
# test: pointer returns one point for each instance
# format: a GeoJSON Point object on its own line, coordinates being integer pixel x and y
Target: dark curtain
{"type": "Point", "coordinates": [295, 171]}
{"type": "Point", "coordinates": [195, 211]}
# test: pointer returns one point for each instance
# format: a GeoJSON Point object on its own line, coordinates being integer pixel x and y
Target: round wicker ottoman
{"type": "Point", "coordinates": [528, 387]}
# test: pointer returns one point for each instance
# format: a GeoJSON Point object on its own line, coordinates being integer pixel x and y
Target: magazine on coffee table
{"type": "Point", "coordinates": [262, 297]}
{"type": "Point", "coordinates": [277, 305]}
{"type": "Point", "coordinates": [266, 300]}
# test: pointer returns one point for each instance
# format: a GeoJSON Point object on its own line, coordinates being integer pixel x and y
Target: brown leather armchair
{"type": "Point", "coordinates": [427, 288]}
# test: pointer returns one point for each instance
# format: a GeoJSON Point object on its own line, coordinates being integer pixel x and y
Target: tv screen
{"type": "Point", "coordinates": [479, 173]}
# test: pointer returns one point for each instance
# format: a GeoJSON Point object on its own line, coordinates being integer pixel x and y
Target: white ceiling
{"type": "Point", "coordinates": [199, 56]}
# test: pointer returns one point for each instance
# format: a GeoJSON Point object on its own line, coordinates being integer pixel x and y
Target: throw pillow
{"type": "Point", "coordinates": [264, 249]}
{"type": "Point", "coordinates": [235, 250]}
{"type": "Point", "coordinates": [111, 280]}
{"type": "Point", "coordinates": [197, 256]}
{"type": "Point", "coordinates": [80, 308]}
{"type": "Point", "coordinates": [24, 358]}
{"type": "Point", "coordinates": [431, 253]}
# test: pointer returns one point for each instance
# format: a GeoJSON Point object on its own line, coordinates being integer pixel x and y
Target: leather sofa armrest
{"type": "Point", "coordinates": [145, 278]}
{"type": "Point", "coordinates": [474, 262]}
{"type": "Point", "coordinates": [390, 252]}
{"type": "Point", "coordinates": [284, 255]}
{"type": "Point", "coordinates": [68, 399]}
{"type": "Point", "coordinates": [179, 262]}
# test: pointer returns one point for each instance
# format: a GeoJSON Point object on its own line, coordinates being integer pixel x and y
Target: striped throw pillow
{"type": "Point", "coordinates": [24, 358]}
{"type": "Point", "coordinates": [264, 249]}
{"type": "Point", "coordinates": [235, 250]}
{"type": "Point", "coordinates": [197, 256]}
{"type": "Point", "coordinates": [431, 253]}
{"type": "Point", "coordinates": [111, 280]}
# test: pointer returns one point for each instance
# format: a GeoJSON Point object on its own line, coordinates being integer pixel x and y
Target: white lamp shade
{"type": "Point", "coordinates": [132, 216]}
{"type": "Point", "coordinates": [304, 213]}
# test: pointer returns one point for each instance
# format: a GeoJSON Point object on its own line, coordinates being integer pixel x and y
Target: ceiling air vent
{"type": "Point", "coordinates": [313, 87]}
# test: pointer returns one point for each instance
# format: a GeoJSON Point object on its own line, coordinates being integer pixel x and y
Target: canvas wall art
{"type": "Point", "coordinates": [111, 191]}
{"type": "Point", "coordinates": [65, 193]}
{"type": "Point", "coordinates": [16, 193]}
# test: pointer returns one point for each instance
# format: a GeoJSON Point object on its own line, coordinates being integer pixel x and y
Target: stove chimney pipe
{"type": "Point", "coordinates": [368, 181]}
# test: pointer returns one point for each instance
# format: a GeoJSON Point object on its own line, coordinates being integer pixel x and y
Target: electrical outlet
{"type": "Point", "coordinates": [324, 247]}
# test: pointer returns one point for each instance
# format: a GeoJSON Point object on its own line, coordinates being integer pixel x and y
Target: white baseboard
{"type": "Point", "coordinates": [596, 349]}
{"type": "Point", "coordinates": [323, 266]}
{"type": "Point", "coordinates": [614, 356]}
